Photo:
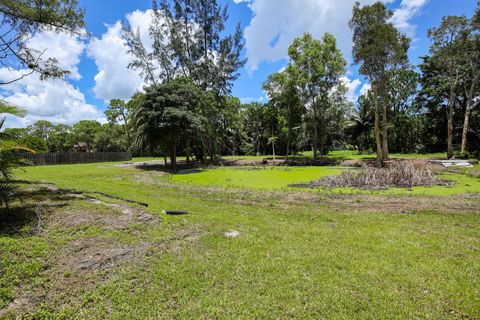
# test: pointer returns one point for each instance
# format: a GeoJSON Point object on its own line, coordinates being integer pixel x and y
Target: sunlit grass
{"type": "Point", "coordinates": [296, 260]}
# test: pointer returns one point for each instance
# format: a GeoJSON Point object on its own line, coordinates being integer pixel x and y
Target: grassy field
{"type": "Point", "coordinates": [300, 254]}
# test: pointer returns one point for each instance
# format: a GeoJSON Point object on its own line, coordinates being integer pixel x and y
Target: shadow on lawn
{"type": "Point", "coordinates": [28, 205]}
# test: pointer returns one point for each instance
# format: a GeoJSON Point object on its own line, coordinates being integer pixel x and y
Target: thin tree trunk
{"type": "Point", "coordinates": [289, 133]}
{"type": "Point", "coordinates": [385, 132]}
{"type": "Point", "coordinates": [273, 148]}
{"type": "Point", "coordinates": [451, 101]}
{"type": "Point", "coordinates": [466, 121]}
{"type": "Point", "coordinates": [173, 157]}
{"type": "Point", "coordinates": [288, 145]}
{"type": "Point", "coordinates": [463, 148]}
{"type": "Point", "coordinates": [377, 129]}
{"type": "Point", "coordinates": [315, 140]}
{"type": "Point", "coordinates": [187, 150]}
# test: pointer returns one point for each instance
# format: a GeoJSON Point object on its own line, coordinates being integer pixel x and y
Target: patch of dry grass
{"type": "Point", "coordinates": [402, 174]}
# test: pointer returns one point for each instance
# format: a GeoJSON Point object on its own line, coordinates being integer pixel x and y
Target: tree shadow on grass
{"type": "Point", "coordinates": [27, 207]}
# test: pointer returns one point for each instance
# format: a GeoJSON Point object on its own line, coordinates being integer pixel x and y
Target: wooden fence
{"type": "Point", "coordinates": [42, 159]}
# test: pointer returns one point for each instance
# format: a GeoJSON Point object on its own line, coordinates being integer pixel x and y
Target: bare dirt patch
{"type": "Point", "coordinates": [78, 262]}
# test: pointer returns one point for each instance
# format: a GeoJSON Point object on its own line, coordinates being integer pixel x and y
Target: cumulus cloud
{"type": "Point", "coordinates": [66, 48]}
{"type": "Point", "coordinates": [276, 23]}
{"type": "Point", "coordinates": [114, 79]}
{"type": "Point", "coordinates": [407, 10]}
{"type": "Point", "coordinates": [55, 100]}
{"type": "Point", "coordinates": [352, 86]}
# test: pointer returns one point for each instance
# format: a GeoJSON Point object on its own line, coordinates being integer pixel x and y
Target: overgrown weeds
{"type": "Point", "coordinates": [403, 174]}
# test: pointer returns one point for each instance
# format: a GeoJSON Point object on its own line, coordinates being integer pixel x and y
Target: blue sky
{"type": "Point", "coordinates": [98, 62]}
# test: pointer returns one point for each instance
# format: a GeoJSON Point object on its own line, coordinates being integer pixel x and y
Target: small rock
{"type": "Point", "coordinates": [232, 234]}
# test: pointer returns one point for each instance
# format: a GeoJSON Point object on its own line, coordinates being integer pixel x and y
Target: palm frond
{"type": "Point", "coordinates": [7, 189]}
{"type": "Point", "coordinates": [11, 110]}
{"type": "Point", "coordinates": [11, 146]}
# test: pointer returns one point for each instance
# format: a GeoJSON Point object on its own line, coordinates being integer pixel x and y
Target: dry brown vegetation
{"type": "Point", "coordinates": [403, 174]}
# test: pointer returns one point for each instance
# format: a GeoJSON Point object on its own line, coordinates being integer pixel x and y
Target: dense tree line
{"type": "Point", "coordinates": [186, 107]}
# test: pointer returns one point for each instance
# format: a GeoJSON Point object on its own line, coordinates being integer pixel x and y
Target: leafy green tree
{"type": "Point", "coordinates": [282, 93]}
{"type": "Point", "coordinates": [20, 20]}
{"type": "Point", "coordinates": [189, 40]}
{"type": "Point", "coordinates": [60, 138]}
{"type": "Point", "coordinates": [41, 129]}
{"type": "Point", "coordinates": [254, 126]}
{"type": "Point", "coordinates": [401, 92]}
{"type": "Point", "coordinates": [16, 133]}
{"type": "Point", "coordinates": [168, 116]}
{"type": "Point", "coordinates": [110, 138]}
{"type": "Point", "coordinates": [34, 143]}
{"type": "Point", "coordinates": [316, 67]}
{"type": "Point", "coordinates": [117, 112]}
{"type": "Point", "coordinates": [360, 126]}
{"type": "Point", "coordinates": [446, 51]}
{"type": "Point", "coordinates": [85, 131]}
{"type": "Point", "coordinates": [231, 126]}
{"type": "Point", "coordinates": [471, 54]}
{"type": "Point", "coordinates": [379, 47]}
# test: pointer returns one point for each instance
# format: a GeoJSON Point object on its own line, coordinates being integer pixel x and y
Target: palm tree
{"type": "Point", "coordinates": [361, 123]}
{"type": "Point", "coordinates": [8, 160]}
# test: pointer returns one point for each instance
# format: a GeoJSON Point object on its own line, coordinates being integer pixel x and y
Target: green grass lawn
{"type": "Point", "coordinates": [302, 255]}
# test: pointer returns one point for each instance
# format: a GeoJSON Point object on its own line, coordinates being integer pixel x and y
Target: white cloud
{"type": "Point", "coordinates": [276, 23]}
{"type": "Point", "coordinates": [352, 86]}
{"type": "Point", "coordinates": [407, 10]}
{"type": "Point", "coordinates": [114, 79]}
{"type": "Point", "coordinates": [67, 49]}
{"type": "Point", "coordinates": [55, 100]}
{"type": "Point", "coordinates": [365, 88]}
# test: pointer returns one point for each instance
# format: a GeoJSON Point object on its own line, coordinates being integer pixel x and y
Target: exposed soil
{"type": "Point", "coordinates": [86, 262]}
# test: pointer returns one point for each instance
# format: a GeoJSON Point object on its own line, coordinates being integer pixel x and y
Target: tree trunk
{"type": "Point", "coordinates": [173, 157]}
{"type": "Point", "coordinates": [463, 148]}
{"type": "Point", "coordinates": [451, 101]}
{"type": "Point", "coordinates": [315, 140]}
{"type": "Point", "coordinates": [468, 110]}
{"type": "Point", "coordinates": [385, 132]}
{"type": "Point", "coordinates": [273, 148]}
{"type": "Point", "coordinates": [289, 133]}
{"type": "Point", "coordinates": [187, 150]}
{"type": "Point", "coordinates": [377, 129]}
{"type": "Point", "coordinates": [288, 145]}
